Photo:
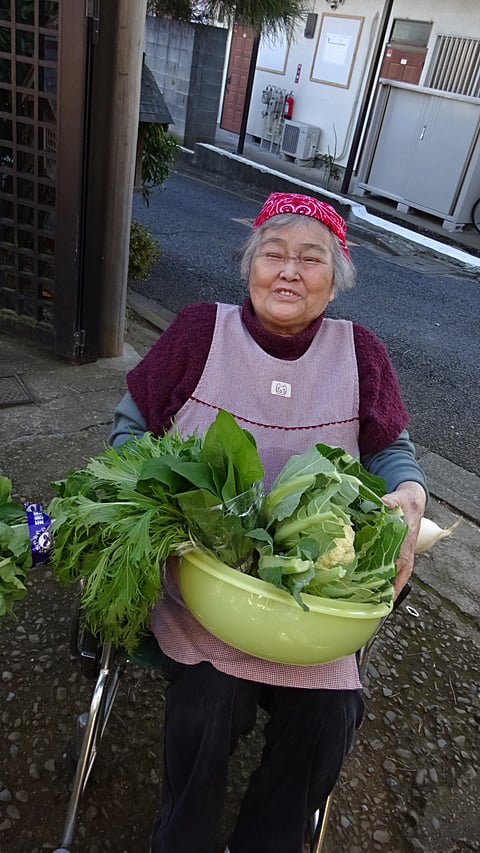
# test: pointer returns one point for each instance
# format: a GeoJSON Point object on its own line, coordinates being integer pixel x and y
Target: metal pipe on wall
{"type": "Point", "coordinates": [248, 93]}
{"type": "Point", "coordinates": [367, 95]}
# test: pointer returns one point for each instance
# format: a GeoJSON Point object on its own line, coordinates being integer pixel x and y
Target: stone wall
{"type": "Point", "coordinates": [187, 62]}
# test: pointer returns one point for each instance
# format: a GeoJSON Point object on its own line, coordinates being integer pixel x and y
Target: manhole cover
{"type": "Point", "coordinates": [13, 392]}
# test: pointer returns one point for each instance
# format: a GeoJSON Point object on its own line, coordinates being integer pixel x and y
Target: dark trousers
{"type": "Point", "coordinates": [307, 736]}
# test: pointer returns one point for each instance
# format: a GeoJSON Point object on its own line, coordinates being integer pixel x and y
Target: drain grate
{"type": "Point", "coordinates": [13, 392]}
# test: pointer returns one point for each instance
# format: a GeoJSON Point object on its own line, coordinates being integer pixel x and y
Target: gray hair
{"type": "Point", "coordinates": [344, 273]}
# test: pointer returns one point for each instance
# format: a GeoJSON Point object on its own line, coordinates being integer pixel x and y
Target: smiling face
{"type": "Point", "coordinates": [291, 276]}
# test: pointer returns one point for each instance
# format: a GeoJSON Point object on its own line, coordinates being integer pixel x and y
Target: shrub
{"type": "Point", "coordinates": [144, 252]}
{"type": "Point", "coordinates": [159, 150]}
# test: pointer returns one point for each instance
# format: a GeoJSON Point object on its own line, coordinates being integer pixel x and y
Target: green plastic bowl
{"type": "Point", "coordinates": [253, 616]}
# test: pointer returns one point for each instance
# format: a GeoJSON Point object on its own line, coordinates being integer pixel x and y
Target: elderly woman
{"type": "Point", "coordinates": [292, 378]}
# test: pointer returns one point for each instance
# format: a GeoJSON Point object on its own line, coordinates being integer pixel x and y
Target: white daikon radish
{"type": "Point", "coordinates": [430, 533]}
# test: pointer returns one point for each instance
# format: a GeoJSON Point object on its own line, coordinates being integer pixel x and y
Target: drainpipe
{"type": "Point", "coordinates": [367, 95]}
{"type": "Point", "coordinates": [248, 93]}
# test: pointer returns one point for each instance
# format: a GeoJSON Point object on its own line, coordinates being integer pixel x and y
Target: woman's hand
{"type": "Point", "coordinates": [411, 499]}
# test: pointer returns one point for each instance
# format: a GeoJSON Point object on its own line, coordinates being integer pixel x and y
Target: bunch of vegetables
{"type": "Point", "coordinates": [322, 529]}
{"type": "Point", "coordinates": [326, 531]}
{"type": "Point", "coordinates": [116, 522]}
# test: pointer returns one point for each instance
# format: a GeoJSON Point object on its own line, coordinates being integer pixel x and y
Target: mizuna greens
{"type": "Point", "coordinates": [325, 530]}
{"type": "Point", "coordinates": [115, 522]}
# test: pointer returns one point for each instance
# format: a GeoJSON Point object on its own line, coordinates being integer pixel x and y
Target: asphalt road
{"type": "Point", "coordinates": [429, 321]}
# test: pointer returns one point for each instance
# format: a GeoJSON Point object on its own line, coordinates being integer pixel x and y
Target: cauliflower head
{"type": "Point", "coordinates": [342, 553]}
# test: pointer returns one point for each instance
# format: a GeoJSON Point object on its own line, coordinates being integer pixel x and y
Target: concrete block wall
{"type": "Point", "coordinates": [169, 50]}
{"type": "Point", "coordinates": [206, 81]}
{"type": "Point", "coordinates": [187, 62]}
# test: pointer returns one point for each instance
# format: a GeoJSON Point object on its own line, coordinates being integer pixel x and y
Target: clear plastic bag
{"type": "Point", "coordinates": [223, 528]}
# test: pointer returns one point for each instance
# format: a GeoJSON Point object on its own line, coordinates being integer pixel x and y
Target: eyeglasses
{"type": "Point", "coordinates": [278, 260]}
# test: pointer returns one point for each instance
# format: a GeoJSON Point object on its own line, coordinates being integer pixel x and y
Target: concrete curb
{"type": "Point", "coordinates": [455, 486]}
{"type": "Point", "coordinates": [150, 310]}
{"type": "Point", "coordinates": [233, 170]}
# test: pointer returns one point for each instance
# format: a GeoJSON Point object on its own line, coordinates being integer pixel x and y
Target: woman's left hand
{"type": "Point", "coordinates": [411, 498]}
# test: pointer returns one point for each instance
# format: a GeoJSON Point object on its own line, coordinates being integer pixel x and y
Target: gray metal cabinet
{"type": "Point", "coordinates": [423, 151]}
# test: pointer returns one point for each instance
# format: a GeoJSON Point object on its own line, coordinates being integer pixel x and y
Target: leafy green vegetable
{"type": "Point", "coordinates": [11, 512]}
{"type": "Point", "coordinates": [15, 550]}
{"type": "Point", "coordinates": [232, 455]}
{"type": "Point", "coordinates": [326, 530]}
{"type": "Point", "coordinates": [116, 522]}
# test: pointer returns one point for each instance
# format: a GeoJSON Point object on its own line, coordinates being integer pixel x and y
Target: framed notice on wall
{"type": "Point", "coordinates": [273, 53]}
{"type": "Point", "coordinates": [336, 49]}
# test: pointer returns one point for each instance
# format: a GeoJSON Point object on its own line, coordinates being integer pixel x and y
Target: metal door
{"type": "Point", "coordinates": [403, 63]}
{"type": "Point", "coordinates": [237, 77]}
{"type": "Point", "coordinates": [396, 144]}
{"type": "Point", "coordinates": [44, 55]}
{"type": "Point", "coordinates": [444, 146]}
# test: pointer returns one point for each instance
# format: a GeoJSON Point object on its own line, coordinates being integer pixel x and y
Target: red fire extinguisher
{"type": "Point", "coordinates": [288, 106]}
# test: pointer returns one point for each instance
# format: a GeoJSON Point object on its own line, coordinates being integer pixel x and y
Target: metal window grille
{"type": "Point", "coordinates": [28, 119]}
{"type": "Point", "coordinates": [456, 66]}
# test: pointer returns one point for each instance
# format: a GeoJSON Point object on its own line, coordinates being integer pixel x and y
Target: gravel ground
{"type": "Point", "coordinates": [411, 782]}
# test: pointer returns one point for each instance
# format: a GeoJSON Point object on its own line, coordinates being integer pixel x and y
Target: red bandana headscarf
{"type": "Point", "coordinates": [305, 205]}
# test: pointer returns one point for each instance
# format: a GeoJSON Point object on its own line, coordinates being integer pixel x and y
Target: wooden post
{"type": "Point", "coordinates": [116, 83]}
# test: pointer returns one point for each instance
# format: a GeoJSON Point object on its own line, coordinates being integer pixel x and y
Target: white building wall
{"type": "Point", "coordinates": [335, 108]}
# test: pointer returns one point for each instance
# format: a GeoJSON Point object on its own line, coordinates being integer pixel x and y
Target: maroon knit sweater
{"type": "Point", "coordinates": [164, 380]}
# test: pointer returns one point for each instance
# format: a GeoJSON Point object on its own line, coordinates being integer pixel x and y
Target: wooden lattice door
{"type": "Point", "coordinates": [44, 56]}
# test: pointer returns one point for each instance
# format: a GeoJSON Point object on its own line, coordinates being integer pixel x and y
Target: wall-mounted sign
{"type": "Point", "coordinates": [336, 49]}
{"type": "Point", "coordinates": [297, 75]}
{"type": "Point", "coordinates": [273, 53]}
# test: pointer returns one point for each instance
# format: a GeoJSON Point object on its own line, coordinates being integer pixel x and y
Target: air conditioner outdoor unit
{"type": "Point", "coordinates": [300, 140]}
